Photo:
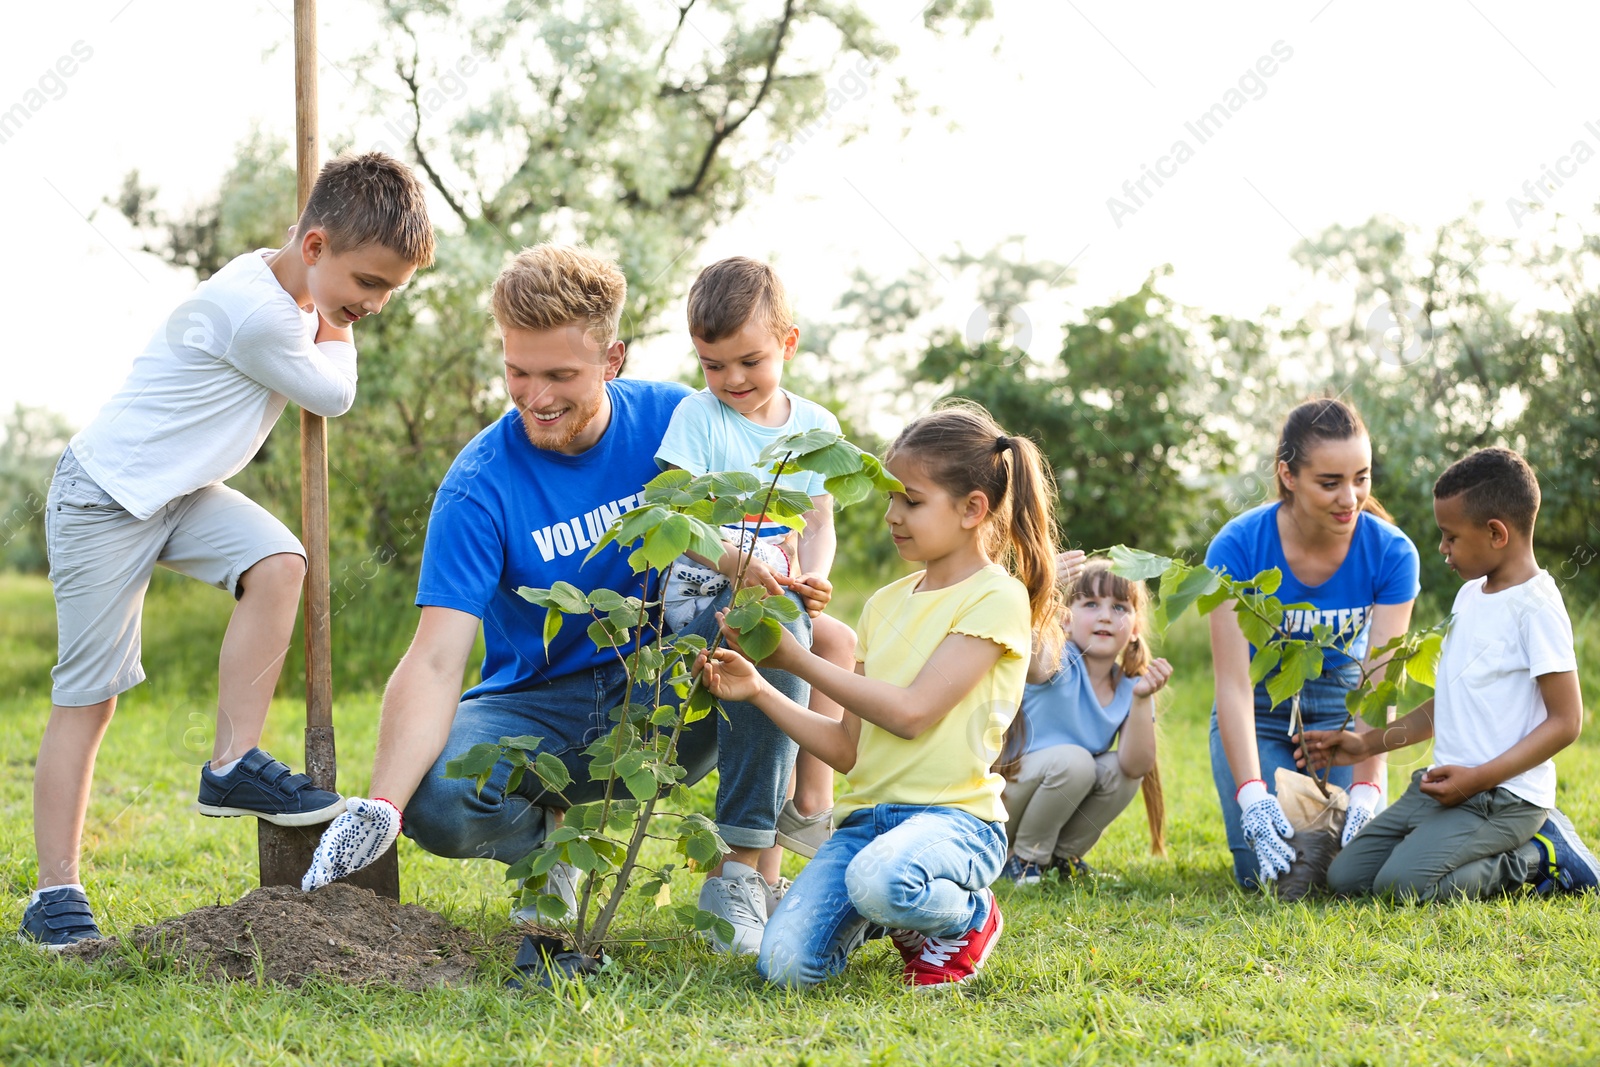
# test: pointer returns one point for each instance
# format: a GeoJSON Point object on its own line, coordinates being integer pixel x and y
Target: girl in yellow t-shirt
{"type": "Point", "coordinates": [941, 659]}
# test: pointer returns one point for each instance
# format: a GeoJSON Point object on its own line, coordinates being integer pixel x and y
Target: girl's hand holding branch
{"type": "Point", "coordinates": [729, 675]}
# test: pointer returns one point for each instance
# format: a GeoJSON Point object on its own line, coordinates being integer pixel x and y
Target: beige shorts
{"type": "Point", "coordinates": [101, 559]}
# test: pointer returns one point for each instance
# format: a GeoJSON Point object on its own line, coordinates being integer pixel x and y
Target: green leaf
{"type": "Point", "coordinates": [569, 598]}
{"type": "Point", "coordinates": [1216, 598]}
{"type": "Point", "coordinates": [551, 906]}
{"type": "Point", "coordinates": [552, 772]}
{"type": "Point", "coordinates": [1135, 564]}
{"type": "Point", "coordinates": [582, 856]}
{"type": "Point", "coordinates": [781, 607]}
{"type": "Point", "coordinates": [1423, 666]}
{"type": "Point", "coordinates": [735, 483]}
{"type": "Point", "coordinates": [834, 460]}
{"type": "Point", "coordinates": [797, 444]}
{"type": "Point", "coordinates": [1313, 661]}
{"type": "Point", "coordinates": [1256, 629]}
{"type": "Point", "coordinates": [704, 539]}
{"type": "Point", "coordinates": [791, 502]}
{"type": "Point", "coordinates": [642, 784]}
{"type": "Point", "coordinates": [1291, 676]}
{"type": "Point", "coordinates": [1268, 580]}
{"type": "Point", "coordinates": [478, 760]}
{"type": "Point", "coordinates": [514, 779]}
{"type": "Point", "coordinates": [745, 616]}
{"type": "Point", "coordinates": [704, 849]}
{"type": "Point", "coordinates": [540, 597]}
{"type": "Point", "coordinates": [667, 541]}
{"type": "Point", "coordinates": [1375, 705]}
{"type": "Point", "coordinates": [723, 929]}
{"type": "Point", "coordinates": [552, 627]}
{"type": "Point", "coordinates": [611, 600]}
{"type": "Point", "coordinates": [762, 639]}
{"type": "Point", "coordinates": [1263, 661]}
{"type": "Point", "coordinates": [699, 704]}
{"type": "Point", "coordinates": [1192, 584]}
{"type": "Point", "coordinates": [848, 489]}
{"type": "Point", "coordinates": [522, 743]}
{"type": "Point", "coordinates": [663, 487]}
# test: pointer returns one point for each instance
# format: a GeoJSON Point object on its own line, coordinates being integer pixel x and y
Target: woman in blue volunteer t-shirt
{"type": "Point", "coordinates": [1339, 552]}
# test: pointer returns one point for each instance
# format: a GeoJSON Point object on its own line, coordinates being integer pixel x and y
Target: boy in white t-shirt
{"type": "Point", "coordinates": [743, 332]}
{"type": "Point", "coordinates": [1482, 819]}
{"type": "Point", "coordinates": [142, 485]}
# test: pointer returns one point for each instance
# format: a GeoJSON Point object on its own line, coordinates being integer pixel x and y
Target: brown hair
{"type": "Point", "coordinates": [550, 286]}
{"type": "Point", "coordinates": [1325, 419]}
{"type": "Point", "coordinates": [1098, 580]}
{"type": "Point", "coordinates": [731, 292]}
{"type": "Point", "coordinates": [1498, 484]}
{"type": "Point", "coordinates": [371, 198]}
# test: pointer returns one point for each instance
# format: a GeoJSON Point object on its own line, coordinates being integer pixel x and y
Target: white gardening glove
{"type": "Point", "coordinates": [1266, 828]}
{"type": "Point", "coordinates": [1364, 800]}
{"type": "Point", "coordinates": [352, 841]}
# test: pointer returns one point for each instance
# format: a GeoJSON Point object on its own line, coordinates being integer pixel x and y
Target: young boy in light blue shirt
{"type": "Point", "coordinates": [743, 332]}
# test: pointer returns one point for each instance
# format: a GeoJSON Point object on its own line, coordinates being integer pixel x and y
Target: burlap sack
{"type": "Point", "coordinates": [1318, 822]}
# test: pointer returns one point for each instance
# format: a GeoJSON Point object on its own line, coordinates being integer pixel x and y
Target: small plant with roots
{"type": "Point", "coordinates": [636, 761]}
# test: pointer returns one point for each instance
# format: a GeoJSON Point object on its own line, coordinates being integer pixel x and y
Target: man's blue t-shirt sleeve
{"type": "Point", "coordinates": [462, 557]}
{"type": "Point", "coordinates": [687, 442]}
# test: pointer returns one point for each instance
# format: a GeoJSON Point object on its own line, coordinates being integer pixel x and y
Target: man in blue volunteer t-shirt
{"type": "Point", "coordinates": [521, 506]}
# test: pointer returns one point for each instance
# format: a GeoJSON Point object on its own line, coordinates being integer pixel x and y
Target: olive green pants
{"type": "Point", "coordinates": [1419, 850]}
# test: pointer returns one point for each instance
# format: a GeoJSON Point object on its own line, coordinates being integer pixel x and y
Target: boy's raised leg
{"type": "Point", "coordinates": [253, 651]}
{"type": "Point", "coordinates": [61, 787]}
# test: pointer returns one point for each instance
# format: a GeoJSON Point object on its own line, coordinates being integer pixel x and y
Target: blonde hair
{"type": "Point", "coordinates": [734, 291]}
{"type": "Point", "coordinates": [550, 286]}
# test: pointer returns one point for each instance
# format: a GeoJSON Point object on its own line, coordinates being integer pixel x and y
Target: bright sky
{"type": "Point", "coordinates": [1334, 111]}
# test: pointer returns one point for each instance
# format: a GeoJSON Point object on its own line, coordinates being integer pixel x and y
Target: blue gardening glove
{"type": "Point", "coordinates": [1265, 829]}
{"type": "Point", "coordinates": [352, 841]}
{"type": "Point", "coordinates": [1364, 800]}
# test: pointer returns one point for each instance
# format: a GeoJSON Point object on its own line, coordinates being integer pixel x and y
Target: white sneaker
{"type": "Point", "coordinates": [803, 834]}
{"type": "Point", "coordinates": [562, 881]}
{"type": "Point", "coordinates": [740, 896]}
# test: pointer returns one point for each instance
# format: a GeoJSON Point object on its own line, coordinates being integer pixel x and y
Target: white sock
{"type": "Point", "coordinates": [37, 893]}
{"type": "Point", "coordinates": [225, 768]}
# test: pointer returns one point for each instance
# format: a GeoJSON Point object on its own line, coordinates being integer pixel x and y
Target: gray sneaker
{"type": "Point", "coordinates": [775, 894]}
{"type": "Point", "coordinates": [740, 896]}
{"type": "Point", "coordinates": [803, 834]}
{"type": "Point", "coordinates": [562, 881]}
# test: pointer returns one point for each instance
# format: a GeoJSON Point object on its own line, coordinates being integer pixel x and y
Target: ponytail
{"type": "Point", "coordinates": [1155, 810]}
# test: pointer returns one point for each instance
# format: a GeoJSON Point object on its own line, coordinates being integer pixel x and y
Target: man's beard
{"type": "Point", "coordinates": [571, 425]}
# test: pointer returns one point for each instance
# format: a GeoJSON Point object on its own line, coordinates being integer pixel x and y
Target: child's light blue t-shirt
{"type": "Point", "coordinates": [1380, 568]}
{"type": "Point", "coordinates": [1067, 711]}
{"type": "Point", "coordinates": [707, 436]}
{"type": "Point", "coordinates": [509, 514]}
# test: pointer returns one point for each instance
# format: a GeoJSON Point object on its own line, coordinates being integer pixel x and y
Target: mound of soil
{"type": "Point", "coordinates": [340, 932]}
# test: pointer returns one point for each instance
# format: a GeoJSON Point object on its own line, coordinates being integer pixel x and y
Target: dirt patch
{"type": "Point", "coordinates": [339, 932]}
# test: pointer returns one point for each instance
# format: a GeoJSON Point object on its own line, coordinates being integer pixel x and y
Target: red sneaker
{"type": "Point", "coordinates": [909, 942]}
{"type": "Point", "coordinates": [946, 961]}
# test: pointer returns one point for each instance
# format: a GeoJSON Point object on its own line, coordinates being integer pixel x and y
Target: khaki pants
{"type": "Point", "coordinates": [1420, 850]}
{"type": "Point", "coordinates": [1063, 800]}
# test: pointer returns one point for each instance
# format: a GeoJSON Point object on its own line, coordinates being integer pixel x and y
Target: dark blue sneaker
{"type": "Point", "coordinates": [60, 917]}
{"type": "Point", "coordinates": [264, 787]}
{"type": "Point", "coordinates": [1568, 863]}
{"type": "Point", "coordinates": [1021, 871]}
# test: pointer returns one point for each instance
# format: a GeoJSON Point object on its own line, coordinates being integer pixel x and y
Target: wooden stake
{"type": "Point", "coordinates": [284, 853]}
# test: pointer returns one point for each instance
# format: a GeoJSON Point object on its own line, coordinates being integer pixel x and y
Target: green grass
{"type": "Point", "coordinates": [1156, 961]}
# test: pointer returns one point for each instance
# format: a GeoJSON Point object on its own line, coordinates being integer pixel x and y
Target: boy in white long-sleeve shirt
{"type": "Point", "coordinates": [143, 484]}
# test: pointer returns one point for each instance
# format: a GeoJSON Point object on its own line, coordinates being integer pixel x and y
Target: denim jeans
{"type": "Point", "coordinates": [1322, 708]}
{"type": "Point", "coordinates": [898, 865]}
{"type": "Point", "coordinates": [753, 758]}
